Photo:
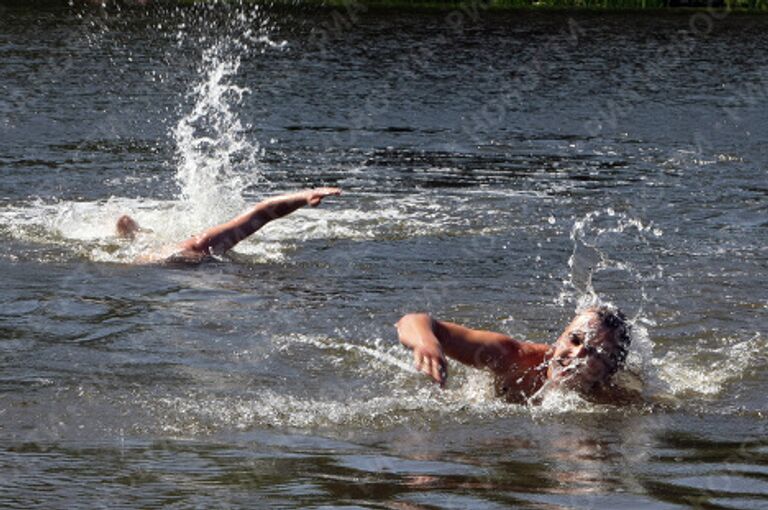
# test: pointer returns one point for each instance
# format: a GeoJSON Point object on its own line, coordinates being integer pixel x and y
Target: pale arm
{"type": "Point", "coordinates": [219, 239]}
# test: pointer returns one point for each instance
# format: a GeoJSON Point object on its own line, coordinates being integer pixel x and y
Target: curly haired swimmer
{"type": "Point", "coordinates": [591, 349]}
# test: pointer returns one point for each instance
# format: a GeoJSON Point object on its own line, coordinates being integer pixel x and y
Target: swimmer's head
{"type": "Point", "coordinates": [127, 227]}
{"type": "Point", "coordinates": [592, 348]}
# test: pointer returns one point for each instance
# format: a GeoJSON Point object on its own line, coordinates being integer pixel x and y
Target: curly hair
{"type": "Point", "coordinates": [614, 320]}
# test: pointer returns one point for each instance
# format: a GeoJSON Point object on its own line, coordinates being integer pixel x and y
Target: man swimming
{"type": "Point", "coordinates": [584, 358]}
{"type": "Point", "coordinates": [221, 238]}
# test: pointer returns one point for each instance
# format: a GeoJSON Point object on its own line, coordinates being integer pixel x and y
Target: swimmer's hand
{"type": "Point", "coordinates": [430, 359]}
{"type": "Point", "coordinates": [315, 196]}
{"type": "Point", "coordinates": [415, 331]}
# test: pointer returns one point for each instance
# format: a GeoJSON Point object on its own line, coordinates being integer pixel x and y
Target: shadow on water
{"type": "Point", "coordinates": [729, 474]}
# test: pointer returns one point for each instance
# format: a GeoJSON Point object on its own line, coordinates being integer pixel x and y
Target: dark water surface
{"type": "Point", "coordinates": [495, 175]}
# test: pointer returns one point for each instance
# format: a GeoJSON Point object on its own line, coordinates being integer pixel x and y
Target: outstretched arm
{"type": "Point", "coordinates": [432, 340]}
{"type": "Point", "coordinates": [219, 239]}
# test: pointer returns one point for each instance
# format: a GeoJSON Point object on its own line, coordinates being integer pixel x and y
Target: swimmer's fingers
{"type": "Point", "coordinates": [430, 360]}
{"type": "Point", "coordinates": [328, 191]}
{"type": "Point", "coordinates": [422, 362]}
{"type": "Point", "coordinates": [417, 359]}
{"type": "Point", "coordinates": [432, 367]}
{"type": "Point", "coordinates": [426, 367]}
{"type": "Point", "coordinates": [434, 370]}
{"type": "Point", "coordinates": [318, 194]}
{"type": "Point", "coordinates": [439, 372]}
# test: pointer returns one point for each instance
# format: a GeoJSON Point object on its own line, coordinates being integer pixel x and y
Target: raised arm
{"type": "Point", "coordinates": [431, 340]}
{"type": "Point", "coordinates": [219, 239]}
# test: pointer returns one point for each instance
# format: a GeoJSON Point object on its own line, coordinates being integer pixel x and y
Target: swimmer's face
{"type": "Point", "coordinates": [583, 355]}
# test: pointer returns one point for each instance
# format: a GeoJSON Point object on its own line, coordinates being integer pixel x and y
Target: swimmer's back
{"type": "Point", "coordinates": [173, 255]}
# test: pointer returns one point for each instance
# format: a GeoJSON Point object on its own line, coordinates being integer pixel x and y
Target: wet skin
{"type": "Point", "coordinates": [581, 358]}
{"type": "Point", "coordinates": [219, 239]}
{"type": "Point", "coordinates": [582, 355]}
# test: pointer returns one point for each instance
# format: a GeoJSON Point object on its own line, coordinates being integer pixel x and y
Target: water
{"type": "Point", "coordinates": [497, 174]}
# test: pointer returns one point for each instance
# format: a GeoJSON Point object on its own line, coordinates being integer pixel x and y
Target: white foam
{"type": "Point", "coordinates": [707, 371]}
{"type": "Point", "coordinates": [402, 394]}
{"type": "Point", "coordinates": [90, 226]}
{"type": "Point", "coordinates": [270, 408]}
{"type": "Point", "coordinates": [215, 158]}
{"type": "Point", "coordinates": [560, 401]}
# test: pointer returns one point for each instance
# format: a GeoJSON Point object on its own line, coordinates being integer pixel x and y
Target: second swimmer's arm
{"type": "Point", "coordinates": [221, 238]}
{"type": "Point", "coordinates": [283, 205]}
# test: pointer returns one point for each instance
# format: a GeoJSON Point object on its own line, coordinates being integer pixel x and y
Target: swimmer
{"type": "Point", "coordinates": [220, 239]}
{"type": "Point", "coordinates": [584, 358]}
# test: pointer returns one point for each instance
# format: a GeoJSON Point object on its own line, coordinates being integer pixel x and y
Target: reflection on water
{"type": "Point", "coordinates": [585, 464]}
{"type": "Point", "coordinates": [272, 378]}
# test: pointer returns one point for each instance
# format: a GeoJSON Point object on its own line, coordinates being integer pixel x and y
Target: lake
{"type": "Point", "coordinates": [499, 168]}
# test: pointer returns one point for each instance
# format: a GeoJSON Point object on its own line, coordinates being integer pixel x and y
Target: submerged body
{"type": "Point", "coordinates": [591, 349]}
{"type": "Point", "coordinates": [221, 238]}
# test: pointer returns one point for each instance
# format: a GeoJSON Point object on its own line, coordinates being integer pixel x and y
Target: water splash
{"type": "Point", "coordinates": [599, 239]}
{"type": "Point", "coordinates": [561, 401]}
{"type": "Point", "coordinates": [706, 371]}
{"type": "Point", "coordinates": [394, 394]}
{"type": "Point", "coordinates": [595, 237]}
{"type": "Point", "coordinates": [215, 157]}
